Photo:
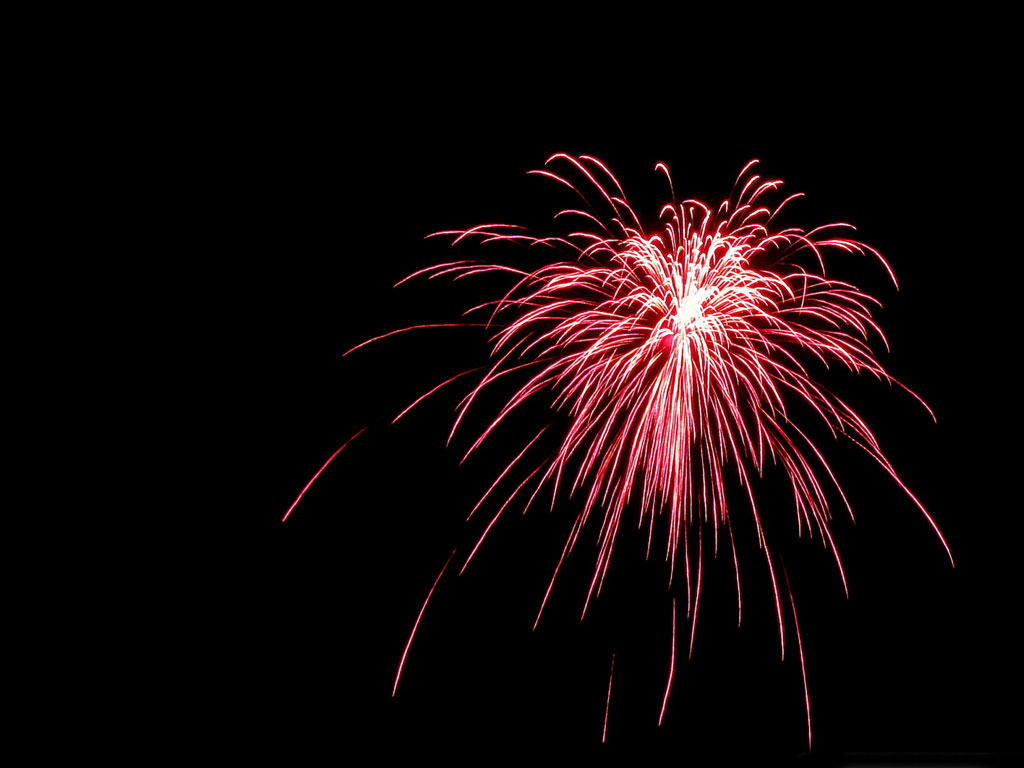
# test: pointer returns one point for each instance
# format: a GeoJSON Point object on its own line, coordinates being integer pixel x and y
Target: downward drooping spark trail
{"type": "Point", "coordinates": [677, 356]}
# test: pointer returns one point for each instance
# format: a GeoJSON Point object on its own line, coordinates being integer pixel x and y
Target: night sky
{"type": "Point", "coordinates": [328, 168]}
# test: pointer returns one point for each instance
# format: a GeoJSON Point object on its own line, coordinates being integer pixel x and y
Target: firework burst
{"type": "Point", "coordinates": [677, 357]}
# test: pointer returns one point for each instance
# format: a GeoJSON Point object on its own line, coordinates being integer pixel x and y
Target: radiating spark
{"type": "Point", "coordinates": [803, 666]}
{"type": "Point", "coordinates": [671, 666]}
{"type": "Point", "coordinates": [608, 702]}
{"type": "Point", "coordinates": [320, 472]}
{"type": "Point", "coordinates": [416, 624]}
{"type": "Point", "coordinates": [348, 352]}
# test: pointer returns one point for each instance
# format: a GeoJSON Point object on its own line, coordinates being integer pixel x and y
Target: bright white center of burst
{"type": "Point", "coordinates": [686, 318]}
{"type": "Point", "coordinates": [689, 310]}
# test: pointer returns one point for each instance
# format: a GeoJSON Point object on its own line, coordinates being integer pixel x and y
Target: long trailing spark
{"type": "Point", "coordinates": [419, 618]}
{"type": "Point", "coordinates": [671, 668]}
{"type": "Point", "coordinates": [320, 472]}
{"type": "Point", "coordinates": [803, 665]}
{"type": "Point", "coordinates": [608, 701]}
{"type": "Point", "coordinates": [678, 356]}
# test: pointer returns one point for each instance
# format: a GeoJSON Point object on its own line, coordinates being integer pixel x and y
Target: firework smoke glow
{"type": "Point", "coordinates": [676, 357]}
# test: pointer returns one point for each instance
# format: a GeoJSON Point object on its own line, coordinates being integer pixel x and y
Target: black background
{"type": "Point", "coordinates": [321, 161]}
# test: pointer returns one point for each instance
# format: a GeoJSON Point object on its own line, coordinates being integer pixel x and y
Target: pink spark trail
{"type": "Point", "coordinates": [320, 472]}
{"type": "Point", "coordinates": [416, 625]}
{"type": "Point", "coordinates": [608, 702]}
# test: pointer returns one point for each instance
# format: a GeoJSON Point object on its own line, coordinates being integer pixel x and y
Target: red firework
{"type": "Point", "coordinates": [677, 357]}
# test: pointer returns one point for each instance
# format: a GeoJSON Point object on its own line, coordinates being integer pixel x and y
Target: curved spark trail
{"type": "Point", "coordinates": [608, 701]}
{"type": "Point", "coordinates": [677, 355]}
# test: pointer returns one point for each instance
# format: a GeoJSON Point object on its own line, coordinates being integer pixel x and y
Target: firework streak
{"type": "Point", "coordinates": [677, 357]}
